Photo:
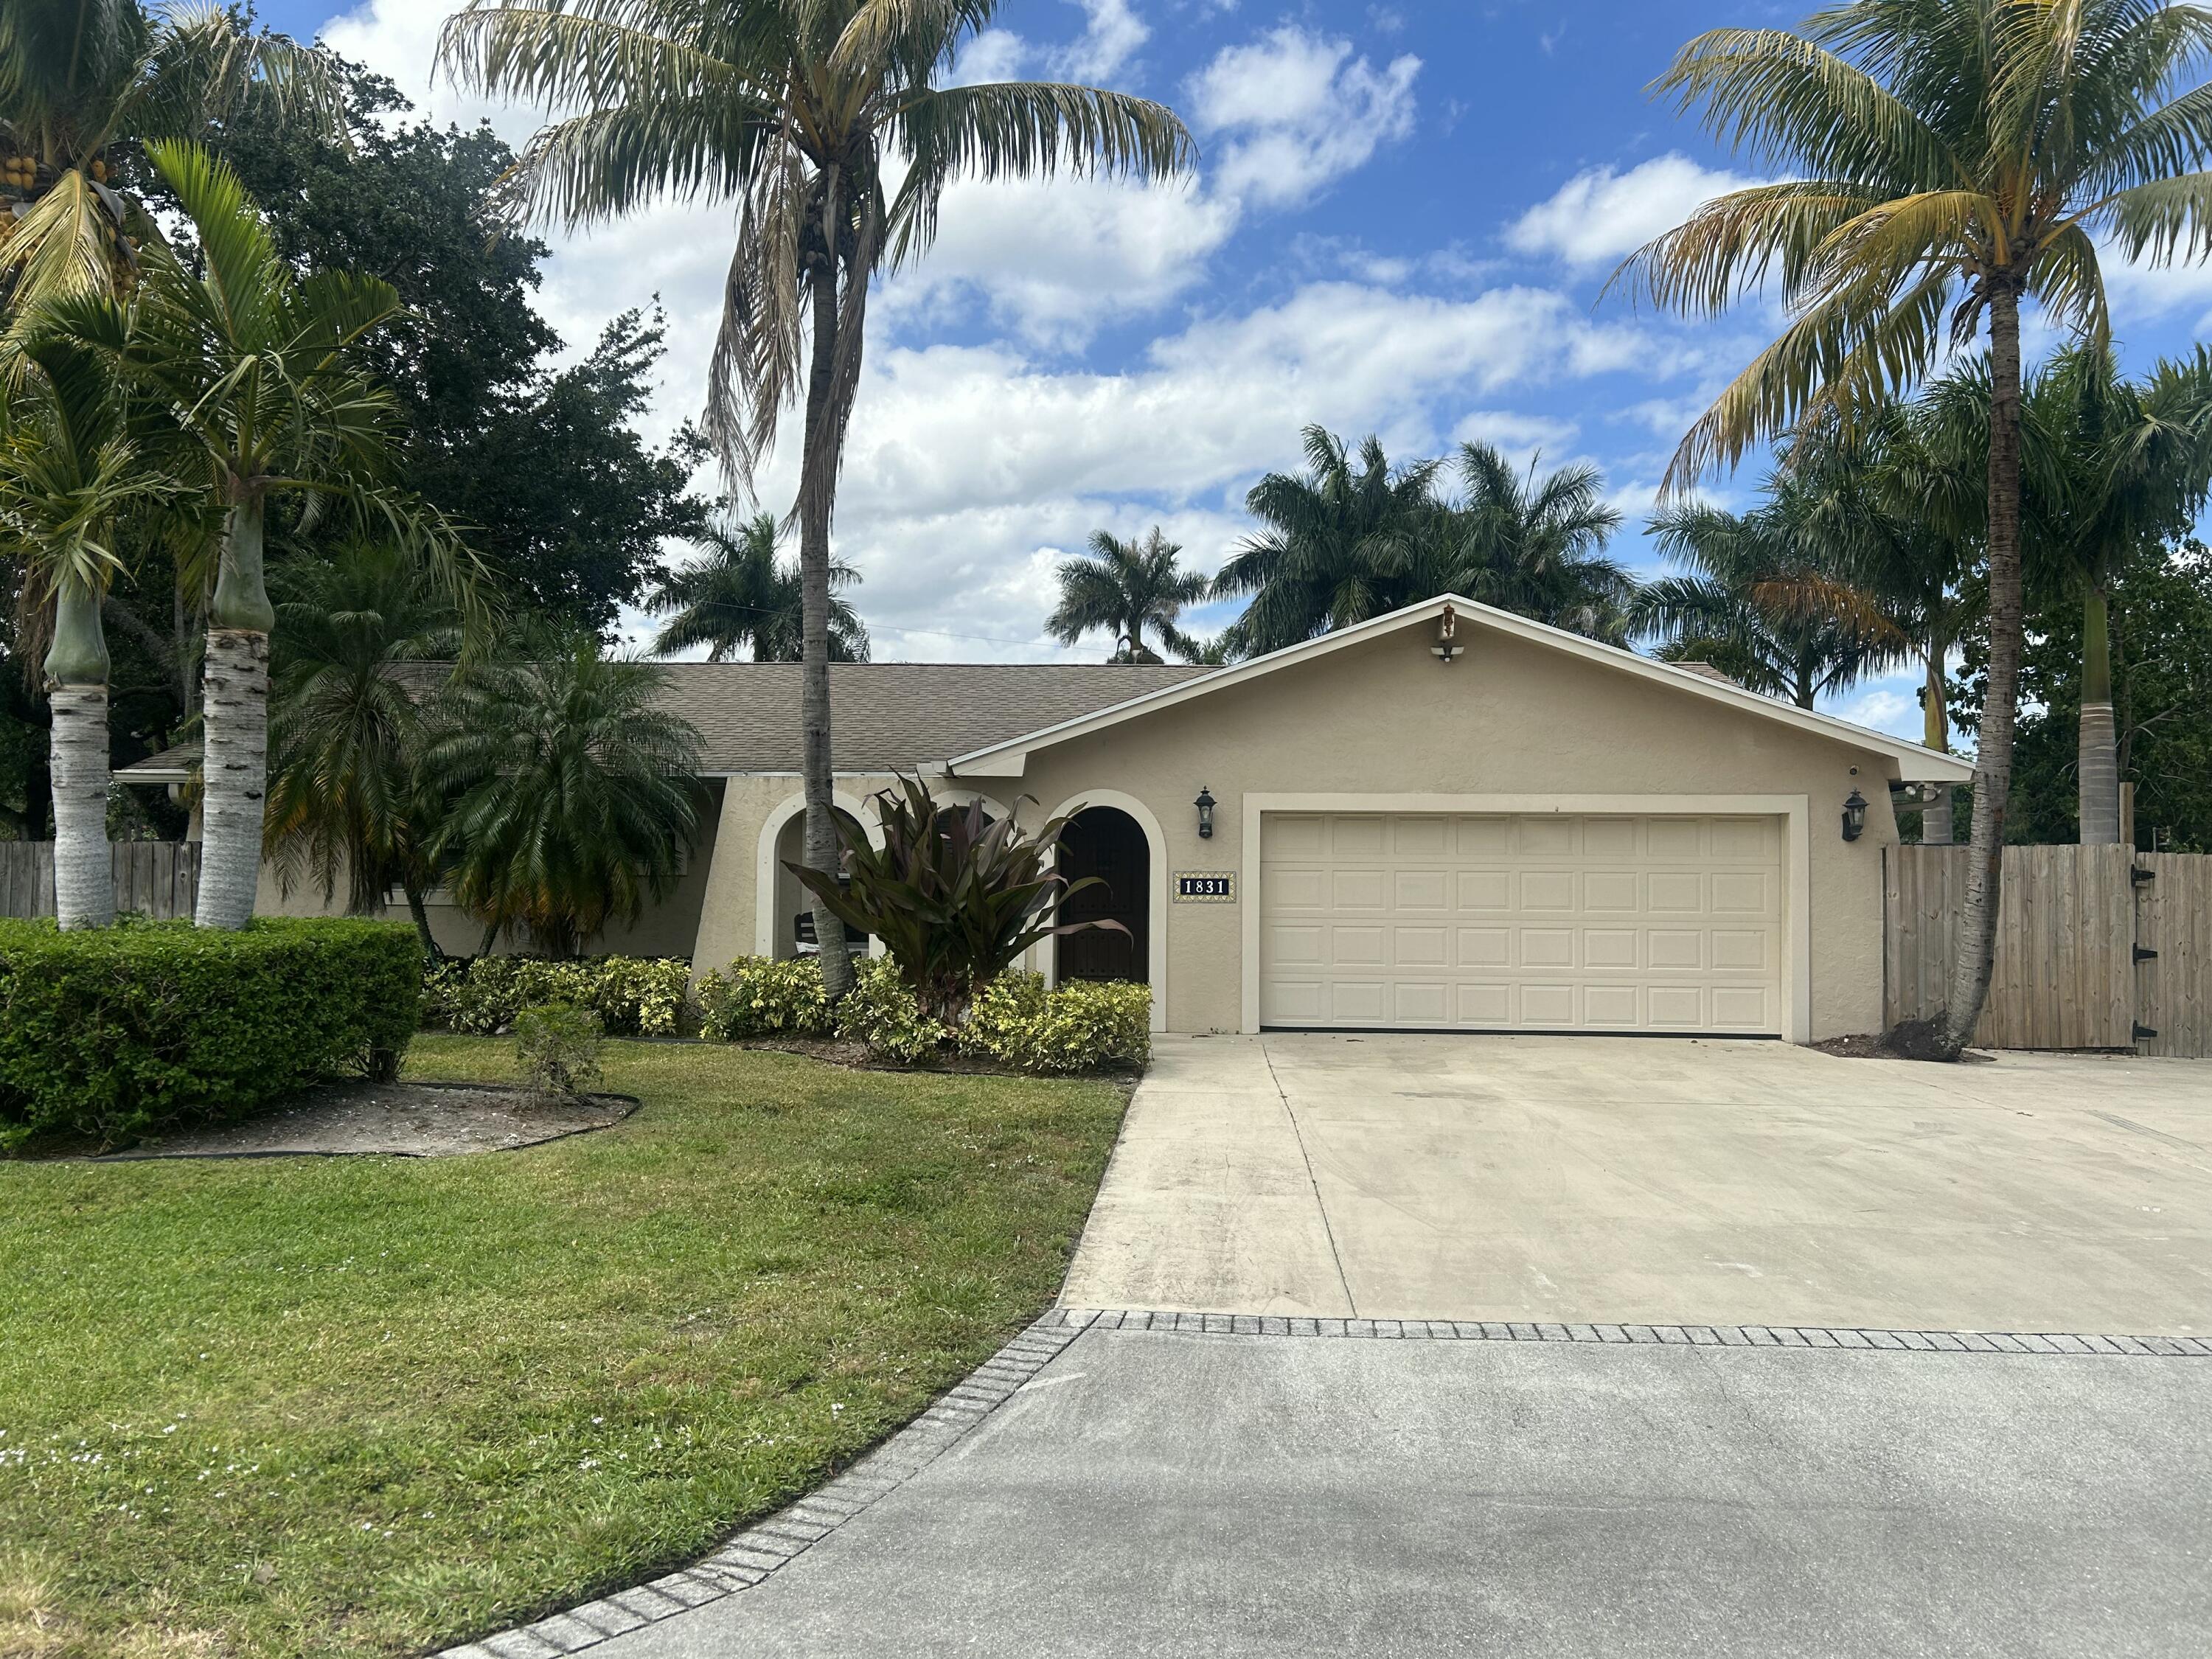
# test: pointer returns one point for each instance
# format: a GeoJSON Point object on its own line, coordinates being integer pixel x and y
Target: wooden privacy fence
{"type": "Point", "coordinates": [157, 879]}
{"type": "Point", "coordinates": [2098, 947]}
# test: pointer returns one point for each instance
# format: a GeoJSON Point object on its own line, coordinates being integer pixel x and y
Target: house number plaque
{"type": "Point", "coordinates": [1204, 887]}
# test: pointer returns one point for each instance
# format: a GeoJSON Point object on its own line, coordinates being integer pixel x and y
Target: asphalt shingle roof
{"type": "Point", "coordinates": [882, 715]}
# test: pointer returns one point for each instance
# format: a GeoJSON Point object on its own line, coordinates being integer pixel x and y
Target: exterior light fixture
{"type": "Point", "coordinates": [1204, 803]}
{"type": "Point", "coordinates": [1855, 809]}
{"type": "Point", "coordinates": [1446, 646]}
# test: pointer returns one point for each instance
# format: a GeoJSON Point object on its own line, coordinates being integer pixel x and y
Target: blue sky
{"type": "Point", "coordinates": [1403, 218]}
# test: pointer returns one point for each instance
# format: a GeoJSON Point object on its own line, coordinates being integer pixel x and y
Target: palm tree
{"type": "Point", "coordinates": [68, 467]}
{"type": "Point", "coordinates": [1892, 524]}
{"type": "Point", "coordinates": [347, 800]}
{"type": "Point", "coordinates": [572, 795]}
{"type": "Point", "coordinates": [827, 121]}
{"type": "Point", "coordinates": [80, 77]}
{"type": "Point", "coordinates": [255, 365]}
{"type": "Point", "coordinates": [1750, 603]}
{"type": "Point", "coordinates": [1344, 542]}
{"type": "Point", "coordinates": [1954, 158]}
{"type": "Point", "coordinates": [740, 595]}
{"type": "Point", "coordinates": [2125, 468]}
{"type": "Point", "coordinates": [1127, 588]}
{"type": "Point", "coordinates": [1534, 544]}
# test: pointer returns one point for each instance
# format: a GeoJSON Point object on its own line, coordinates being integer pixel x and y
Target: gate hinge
{"type": "Point", "coordinates": [2144, 953]}
{"type": "Point", "coordinates": [2144, 1032]}
{"type": "Point", "coordinates": [2141, 877]}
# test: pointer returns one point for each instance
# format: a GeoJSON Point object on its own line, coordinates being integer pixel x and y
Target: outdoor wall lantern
{"type": "Point", "coordinates": [1855, 816]}
{"type": "Point", "coordinates": [1447, 646]}
{"type": "Point", "coordinates": [1204, 803]}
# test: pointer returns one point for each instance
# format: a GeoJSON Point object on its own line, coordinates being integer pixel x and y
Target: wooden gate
{"type": "Point", "coordinates": [2098, 947]}
{"type": "Point", "coordinates": [156, 878]}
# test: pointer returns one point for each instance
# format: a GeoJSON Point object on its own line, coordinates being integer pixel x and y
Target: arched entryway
{"type": "Point", "coordinates": [792, 926]}
{"type": "Point", "coordinates": [1107, 843]}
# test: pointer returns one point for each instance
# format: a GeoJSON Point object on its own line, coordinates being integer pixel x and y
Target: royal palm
{"type": "Point", "coordinates": [1127, 589]}
{"type": "Point", "coordinates": [255, 366]}
{"type": "Point", "coordinates": [68, 468]}
{"type": "Point", "coordinates": [1953, 159]}
{"type": "Point", "coordinates": [826, 122]}
{"type": "Point", "coordinates": [739, 593]}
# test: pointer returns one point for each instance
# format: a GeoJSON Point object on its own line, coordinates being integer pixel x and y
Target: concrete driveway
{"type": "Point", "coordinates": [1655, 1180]}
{"type": "Point", "coordinates": [1230, 1498]}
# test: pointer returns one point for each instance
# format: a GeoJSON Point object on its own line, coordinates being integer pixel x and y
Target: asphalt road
{"type": "Point", "coordinates": [1222, 1496]}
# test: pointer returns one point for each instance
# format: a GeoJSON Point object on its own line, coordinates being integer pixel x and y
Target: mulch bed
{"type": "Point", "coordinates": [854, 1056]}
{"type": "Point", "coordinates": [405, 1120]}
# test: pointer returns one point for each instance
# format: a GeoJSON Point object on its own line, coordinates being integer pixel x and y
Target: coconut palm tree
{"type": "Point", "coordinates": [79, 79]}
{"type": "Point", "coordinates": [1952, 159]}
{"type": "Point", "coordinates": [1534, 542]}
{"type": "Point", "coordinates": [67, 468]}
{"type": "Point", "coordinates": [829, 122]}
{"type": "Point", "coordinates": [255, 364]}
{"type": "Point", "coordinates": [1127, 588]}
{"type": "Point", "coordinates": [2128, 465]}
{"type": "Point", "coordinates": [739, 594]}
{"type": "Point", "coordinates": [362, 638]}
{"type": "Point", "coordinates": [573, 798]}
{"type": "Point", "coordinates": [1748, 602]}
{"type": "Point", "coordinates": [1344, 540]}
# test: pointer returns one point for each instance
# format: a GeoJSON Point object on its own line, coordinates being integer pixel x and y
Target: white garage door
{"type": "Point", "coordinates": [1526, 922]}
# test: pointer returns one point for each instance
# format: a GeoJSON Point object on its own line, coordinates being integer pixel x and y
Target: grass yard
{"type": "Point", "coordinates": [374, 1405]}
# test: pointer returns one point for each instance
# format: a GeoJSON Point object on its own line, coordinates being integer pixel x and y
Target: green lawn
{"type": "Point", "coordinates": [372, 1406]}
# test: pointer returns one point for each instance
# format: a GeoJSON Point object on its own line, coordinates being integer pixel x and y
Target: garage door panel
{"type": "Point", "coordinates": [1486, 890]}
{"type": "Point", "coordinates": [1424, 889]}
{"type": "Point", "coordinates": [1543, 922]}
{"type": "Point", "coordinates": [1611, 947]}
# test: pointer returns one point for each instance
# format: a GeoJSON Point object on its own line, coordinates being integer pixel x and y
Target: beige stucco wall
{"type": "Point", "coordinates": [667, 929]}
{"type": "Point", "coordinates": [1509, 718]}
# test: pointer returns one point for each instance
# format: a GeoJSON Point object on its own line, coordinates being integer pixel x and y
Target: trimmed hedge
{"type": "Point", "coordinates": [633, 996]}
{"type": "Point", "coordinates": [1078, 1027]}
{"type": "Point", "coordinates": [116, 1032]}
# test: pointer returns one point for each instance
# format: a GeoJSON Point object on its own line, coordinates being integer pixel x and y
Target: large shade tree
{"type": "Point", "coordinates": [829, 123]}
{"type": "Point", "coordinates": [1947, 161]}
{"type": "Point", "coordinates": [69, 470]}
{"type": "Point", "coordinates": [1127, 589]}
{"type": "Point", "coordinates": [741, 594]}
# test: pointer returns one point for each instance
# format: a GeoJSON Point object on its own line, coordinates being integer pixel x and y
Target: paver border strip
{"type": "Point", "coordinates": [1077, 1320]}
{"type": "Point", "coordinates": [756, 1553]}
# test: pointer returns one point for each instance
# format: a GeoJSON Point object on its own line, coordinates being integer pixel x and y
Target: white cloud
{"type": "Point", "coordinates": [1110, 40]}
{"type": "Point", "coordinates": [1296, 112]}
{"type": "Point", "coordinates": [1521, 438]}
{"type": "Point", "coordinates": [1601, 215]}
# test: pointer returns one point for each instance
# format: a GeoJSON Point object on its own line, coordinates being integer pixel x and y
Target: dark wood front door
{"type": "Point", "coordinates": [1110, 845]}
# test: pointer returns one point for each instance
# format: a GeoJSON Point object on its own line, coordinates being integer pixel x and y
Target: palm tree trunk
{"type": "Point", "coordinates": [234, 720]}
{"type": "Point", "coordinates": [1978, 928]}
{"type": "Point", "coordinates": [1936, 732]}
{"type": "Point", "coordinates": [421, 912]}
{"type": "Point", "coordinates": [77, 669]}
{"type": "Point", "coordinates": [823, 427]}
{"type": "Point", "coordinates": [2100, 768]}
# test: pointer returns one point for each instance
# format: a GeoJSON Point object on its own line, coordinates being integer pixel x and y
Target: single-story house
{"type": "Point", "coordinates": [1448, 818]}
